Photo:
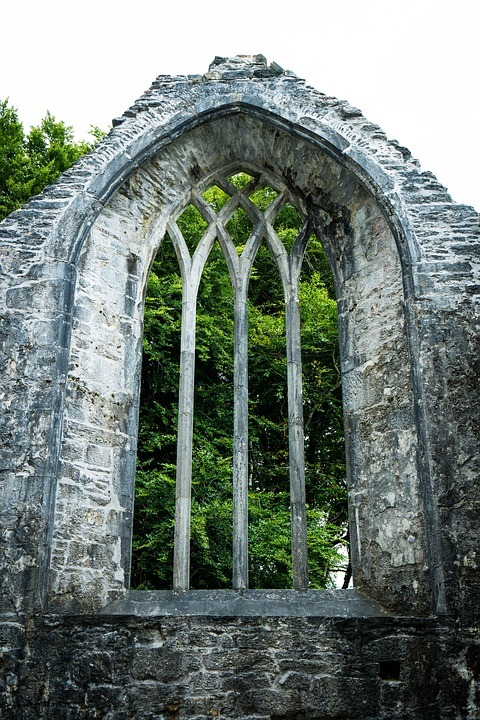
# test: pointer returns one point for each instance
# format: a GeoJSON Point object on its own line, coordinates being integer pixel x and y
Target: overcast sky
{"type": "Point", "coordinates": [411, 66]}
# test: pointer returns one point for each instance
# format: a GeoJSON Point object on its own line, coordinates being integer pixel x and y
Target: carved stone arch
{"type": "Point", "coordinates": [94, 502]}
{"type": "Point", "coordinates": [89, 242]}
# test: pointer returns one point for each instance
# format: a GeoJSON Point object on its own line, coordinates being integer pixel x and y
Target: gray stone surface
{"type": "Point", "coordinates": [247, 603]}
{"type": "Point", "coordinates": [241, 667]}
{"type": "Point", "coordinates": [73, 268]}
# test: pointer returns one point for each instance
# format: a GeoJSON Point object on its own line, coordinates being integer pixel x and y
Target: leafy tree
{"type": "Point", "coordinates": [269, 522]}
{"type": "Point", "coordinates": [29, 162]}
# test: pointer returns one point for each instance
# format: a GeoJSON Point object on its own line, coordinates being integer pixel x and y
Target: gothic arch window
{"type": "Point", "coordinates": [89, 503]}
{"type": "Point", "coordinates": [260, 204]}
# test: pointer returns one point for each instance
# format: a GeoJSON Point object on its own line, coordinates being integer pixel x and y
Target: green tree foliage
{"type": "Point", "coordinates": [29, 162]}
{"type": "Point", "coordinates": [269, 521]}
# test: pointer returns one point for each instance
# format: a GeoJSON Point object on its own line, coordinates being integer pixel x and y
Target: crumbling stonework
{"type": "Point", "coordinates": [73, 269]}
{"type": "Point", "coordinates": [247, 667]}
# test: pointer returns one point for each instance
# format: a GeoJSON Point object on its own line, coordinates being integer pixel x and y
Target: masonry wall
{"type": "Point", "coordinates": [73, 266]}
{"type": "Point", "coordinates": [264, 668]}
{"type": "Point", "coordinates": [94, 494]}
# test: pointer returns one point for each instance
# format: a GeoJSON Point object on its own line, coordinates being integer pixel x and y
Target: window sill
{"type": "Point", "coordinates": [248, 603]}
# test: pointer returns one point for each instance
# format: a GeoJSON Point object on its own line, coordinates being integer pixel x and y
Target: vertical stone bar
{"type": "Point", "coordinates": [240, 441]}
{"type": "Point", "coordinates": [181, 552]}
{"type": "Point", "coordinates": [296, 443]}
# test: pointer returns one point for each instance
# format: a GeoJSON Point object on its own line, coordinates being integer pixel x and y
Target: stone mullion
{"type": "Point", "coordinates": [191, 271]}
{"type": "Point", "coordinates": [240, 403]}
{"type": "Point", "coordinates": [289, 269]}
{"type": "Point", "coordinates": [240, 440]}
{"type": "Point", "coordinates": [181, 556]}
{"type": "Point", "coordinates": [296, 442]}
{"type": "Point", "coordinates": [240, 274]}
{"type": "Point", "coordinates": [296, 439]}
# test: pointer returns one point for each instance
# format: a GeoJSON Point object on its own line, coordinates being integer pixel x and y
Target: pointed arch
{"type": "Point", "coordinates": [89, 243]}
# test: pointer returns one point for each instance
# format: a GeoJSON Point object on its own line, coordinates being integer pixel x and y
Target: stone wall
{"type": "Point", "coordinates": [262, 668]}
{"type": "Point", "coordinates": [90, 542]}
{"type": "Point", "coordinates": [73, 268]}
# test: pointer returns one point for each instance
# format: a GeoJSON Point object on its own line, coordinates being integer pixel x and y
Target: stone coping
{"type": "Point", "coordinates": [247, 603]}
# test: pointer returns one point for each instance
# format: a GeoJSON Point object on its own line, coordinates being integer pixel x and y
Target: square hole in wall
{"type": "Point", "coordinates": [389, 670]}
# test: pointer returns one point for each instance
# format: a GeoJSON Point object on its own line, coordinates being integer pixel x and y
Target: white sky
{"type": "Point", "coordinates": [412, 66]}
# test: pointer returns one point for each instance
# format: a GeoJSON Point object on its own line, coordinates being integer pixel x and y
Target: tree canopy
{"type": "Point", "coordinates": [30, 161]}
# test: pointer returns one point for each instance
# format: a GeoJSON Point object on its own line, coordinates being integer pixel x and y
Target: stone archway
{"type": "Point", "coordinates": [82, 263]}
{"type": "Point", "coordinates": [94, 495]}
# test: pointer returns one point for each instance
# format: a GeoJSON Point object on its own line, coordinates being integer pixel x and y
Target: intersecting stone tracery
{"type": "Point", "coordinates": [235, 201]}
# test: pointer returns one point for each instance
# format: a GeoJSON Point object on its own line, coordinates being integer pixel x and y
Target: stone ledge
{"type": "Point", "coordinates": [249, 603]}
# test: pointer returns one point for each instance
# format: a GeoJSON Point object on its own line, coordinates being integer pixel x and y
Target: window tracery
{"type": "Point", "coordinates": [239, 198]}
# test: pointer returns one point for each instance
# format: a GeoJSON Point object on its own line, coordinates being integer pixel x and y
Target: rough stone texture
{"type": "Point", "coordinates": [266, 668]}
{"type": "Point", "coordinates": [73, 268]}
{"type": "Point", "coordinates": [94, 501]}
{"type": "Point", "coordinates": [248, 603]}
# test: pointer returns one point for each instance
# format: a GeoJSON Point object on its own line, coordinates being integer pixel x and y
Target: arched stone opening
{"type": "Point", "coordinates": [73, 267]}
{"type": "Point", "coordinates": [245, 450]}
{"type": "Point", "coordinates": [93, 507]}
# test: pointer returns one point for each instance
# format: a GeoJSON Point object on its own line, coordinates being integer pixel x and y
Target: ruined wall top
{"type": "Point", "coordinates": [253, 66]}
{"type": "Point", "coordinates": [245, 84]}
